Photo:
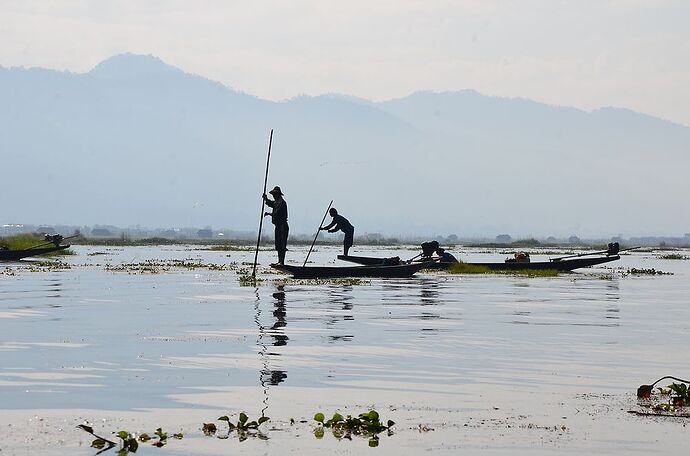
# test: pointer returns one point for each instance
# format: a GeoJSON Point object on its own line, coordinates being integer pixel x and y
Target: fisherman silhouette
{"type": "Point", "coordinates": [446, 257]}
{"type": "Point", "coordinates": [279, 218]}
{"type": "Point", "coordinates": [340, 223]}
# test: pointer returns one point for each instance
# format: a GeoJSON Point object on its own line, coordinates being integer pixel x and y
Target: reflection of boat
{"type": "Point", "coordinates": [510, 265]}
{"type": "Point", "coordinates": [13, 255]}
{"type": "Point", "coordinates": [329, 272]}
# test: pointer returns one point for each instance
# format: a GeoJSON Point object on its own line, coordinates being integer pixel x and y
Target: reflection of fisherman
{"type": "Point", "coordinates": [445, 256]}
{"type": "Point", "coordinates": [340, 223]}
{"type": "Point", "coordinates": [279, 217]}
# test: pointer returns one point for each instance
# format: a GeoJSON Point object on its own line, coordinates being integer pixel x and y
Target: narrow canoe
{"type": "Point", "coordinates": [14, 255]}
{"type": "Point", "coordinates": [332, 272]}
{"type": "Point", "coordinates": [559, 265]}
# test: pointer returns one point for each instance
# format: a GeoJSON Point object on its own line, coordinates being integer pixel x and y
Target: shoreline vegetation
{"type": "Point", "coordinates": [249, 244]}
{"type": "Point", "coordinates": [531, 246]}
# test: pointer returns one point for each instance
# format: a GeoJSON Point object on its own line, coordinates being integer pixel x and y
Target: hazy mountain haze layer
{"type": "Point", "coordinates": [136, 141]}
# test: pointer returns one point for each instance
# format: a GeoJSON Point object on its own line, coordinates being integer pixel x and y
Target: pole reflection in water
{"type": "Point", "coordinates": [267, 376]}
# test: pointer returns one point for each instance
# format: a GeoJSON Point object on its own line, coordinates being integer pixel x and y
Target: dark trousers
{"type": "Point", "coordinates": [348, 240]}
{"type": "Point", "coordinates": [281, 235]}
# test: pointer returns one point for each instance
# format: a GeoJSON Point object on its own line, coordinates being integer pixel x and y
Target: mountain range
{"type": "Point", "coordinates": [137, 141]}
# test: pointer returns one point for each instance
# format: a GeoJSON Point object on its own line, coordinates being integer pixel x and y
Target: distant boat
{"type": "Point", "coordinates": [331, 272]}
{"type": "Point", "coordinates": [511, 265]}
{"type": "Point", "coordinates": [14, 255]}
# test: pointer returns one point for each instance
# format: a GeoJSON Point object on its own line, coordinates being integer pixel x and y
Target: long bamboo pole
{"type": "Point", "coordinates": [263, 205]}
{"type": "Point", "coordinates": [317, 233]}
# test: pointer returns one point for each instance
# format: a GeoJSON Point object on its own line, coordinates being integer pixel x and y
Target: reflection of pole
{"type": "Point", "coordinates": [262, 351]}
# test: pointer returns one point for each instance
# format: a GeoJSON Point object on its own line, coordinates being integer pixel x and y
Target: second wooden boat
{"type": "Point", "coordinates": [332, 272]}
{"type": "Point", "coordinates": [557, 264]}
{"type": "Point", "coordinates": [14, 255]}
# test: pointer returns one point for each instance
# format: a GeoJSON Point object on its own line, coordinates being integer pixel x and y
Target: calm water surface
{"type": "Point", "coordinates": [501, 364]}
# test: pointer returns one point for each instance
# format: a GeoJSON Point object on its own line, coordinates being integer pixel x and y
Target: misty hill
{"type": "Point", "coordinates": [136, 141]}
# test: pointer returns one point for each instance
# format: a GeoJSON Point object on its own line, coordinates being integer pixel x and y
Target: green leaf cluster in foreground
{"type": "Point", "coordinates": [367, 424]}
{"type": "Point", "coordinates": [244, 427]}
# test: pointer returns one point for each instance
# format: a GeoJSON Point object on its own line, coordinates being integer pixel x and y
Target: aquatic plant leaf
{"type": "Point", "coordinates": [337, 417]}
{"type": "Point", "coordinates": [131, 445]}
{"type": "Point", "coordinates": [243, 417]}
{"type": "Point", "coordinates": [161, 435]}
{"type": "Point", "coordinates": [263, 419]}
{"type": "Point", "coordinates": [144, 437]}
{"type": "Point", "coordinates": [122, 434]}
{"type": "Point", "coordinates": [98, 443]}
{"type": "Point", "coordinates": [209, 428]}
{"type": "Point", "coordinates": [373, 415]}
{"type": "Point", "coordinates": [224, 418]}
{"type": "Point", "coordinates": [644, 391]}
{"type": "Point", "coordinates": [319, 432]}
{"type": "Point", "coordinates": [374, 442]}
{"type": "Point", "coordinates": [319, 417]}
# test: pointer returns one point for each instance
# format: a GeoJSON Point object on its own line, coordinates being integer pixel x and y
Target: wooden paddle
{"type": "Point", "coordinates": [263, 206]}
{"type": "Point", "coordinates": [317, 233]}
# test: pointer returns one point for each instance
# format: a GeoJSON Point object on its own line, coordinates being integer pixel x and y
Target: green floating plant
{"type": "Point", "coordinates": [129, 443]}
{"type": "Point", "coordinates": [367, 424]}
{"type": "Point", "coordinates": [249, 281]}
{"type": "Point", "coordinates": [680, 394]}
{"type": "Point", "coordinates": [243, 427]}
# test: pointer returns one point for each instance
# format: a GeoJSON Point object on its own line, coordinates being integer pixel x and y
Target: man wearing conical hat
{"type": "Point", "coordinates": [279, 217]}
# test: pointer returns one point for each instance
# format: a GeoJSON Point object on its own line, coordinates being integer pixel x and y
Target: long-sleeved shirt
{"type": "Point", "coordinates": [340, 223]}
{"type": "Point", "coordinates": [280, 211]}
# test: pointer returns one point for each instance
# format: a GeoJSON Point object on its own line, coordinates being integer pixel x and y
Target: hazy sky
{"type": "Point", "coordinates": [584, 53]}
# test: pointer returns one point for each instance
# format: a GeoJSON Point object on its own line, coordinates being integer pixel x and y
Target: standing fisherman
{"type": "Point", "coordinates": [279, 217]}
{"type": "Point", "coordinates": [340, 223]}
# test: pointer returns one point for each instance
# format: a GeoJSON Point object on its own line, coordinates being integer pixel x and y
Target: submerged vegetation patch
{"type": "Point", "coordinates": [465, 268]}
{"type": "Point", "coordinates": [159, 266]}
{"type": "Point", "coordinates": [643, 271]}
{"type": "Point", "coordinates": [674, 256]}
{"type": "Point", "coordinates": [672, 401]}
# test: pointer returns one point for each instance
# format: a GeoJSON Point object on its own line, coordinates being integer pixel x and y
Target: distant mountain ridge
{"type": "Point", "coordinates": [137, 141]}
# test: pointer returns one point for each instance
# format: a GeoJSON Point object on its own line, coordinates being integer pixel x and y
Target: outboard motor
{"type": "Point", "coordinates": [428, 248]}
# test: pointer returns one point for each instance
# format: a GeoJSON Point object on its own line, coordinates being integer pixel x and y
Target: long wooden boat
{"type": "Point", "coordinates": [332, 272]}
{"type": "Point", "coordinates": [557, 264]}
{"type": "Point", "coordinates": [14, 255]}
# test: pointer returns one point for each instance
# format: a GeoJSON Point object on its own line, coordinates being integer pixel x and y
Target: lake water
{"type": "Point", "coordinates": [462, 363]}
